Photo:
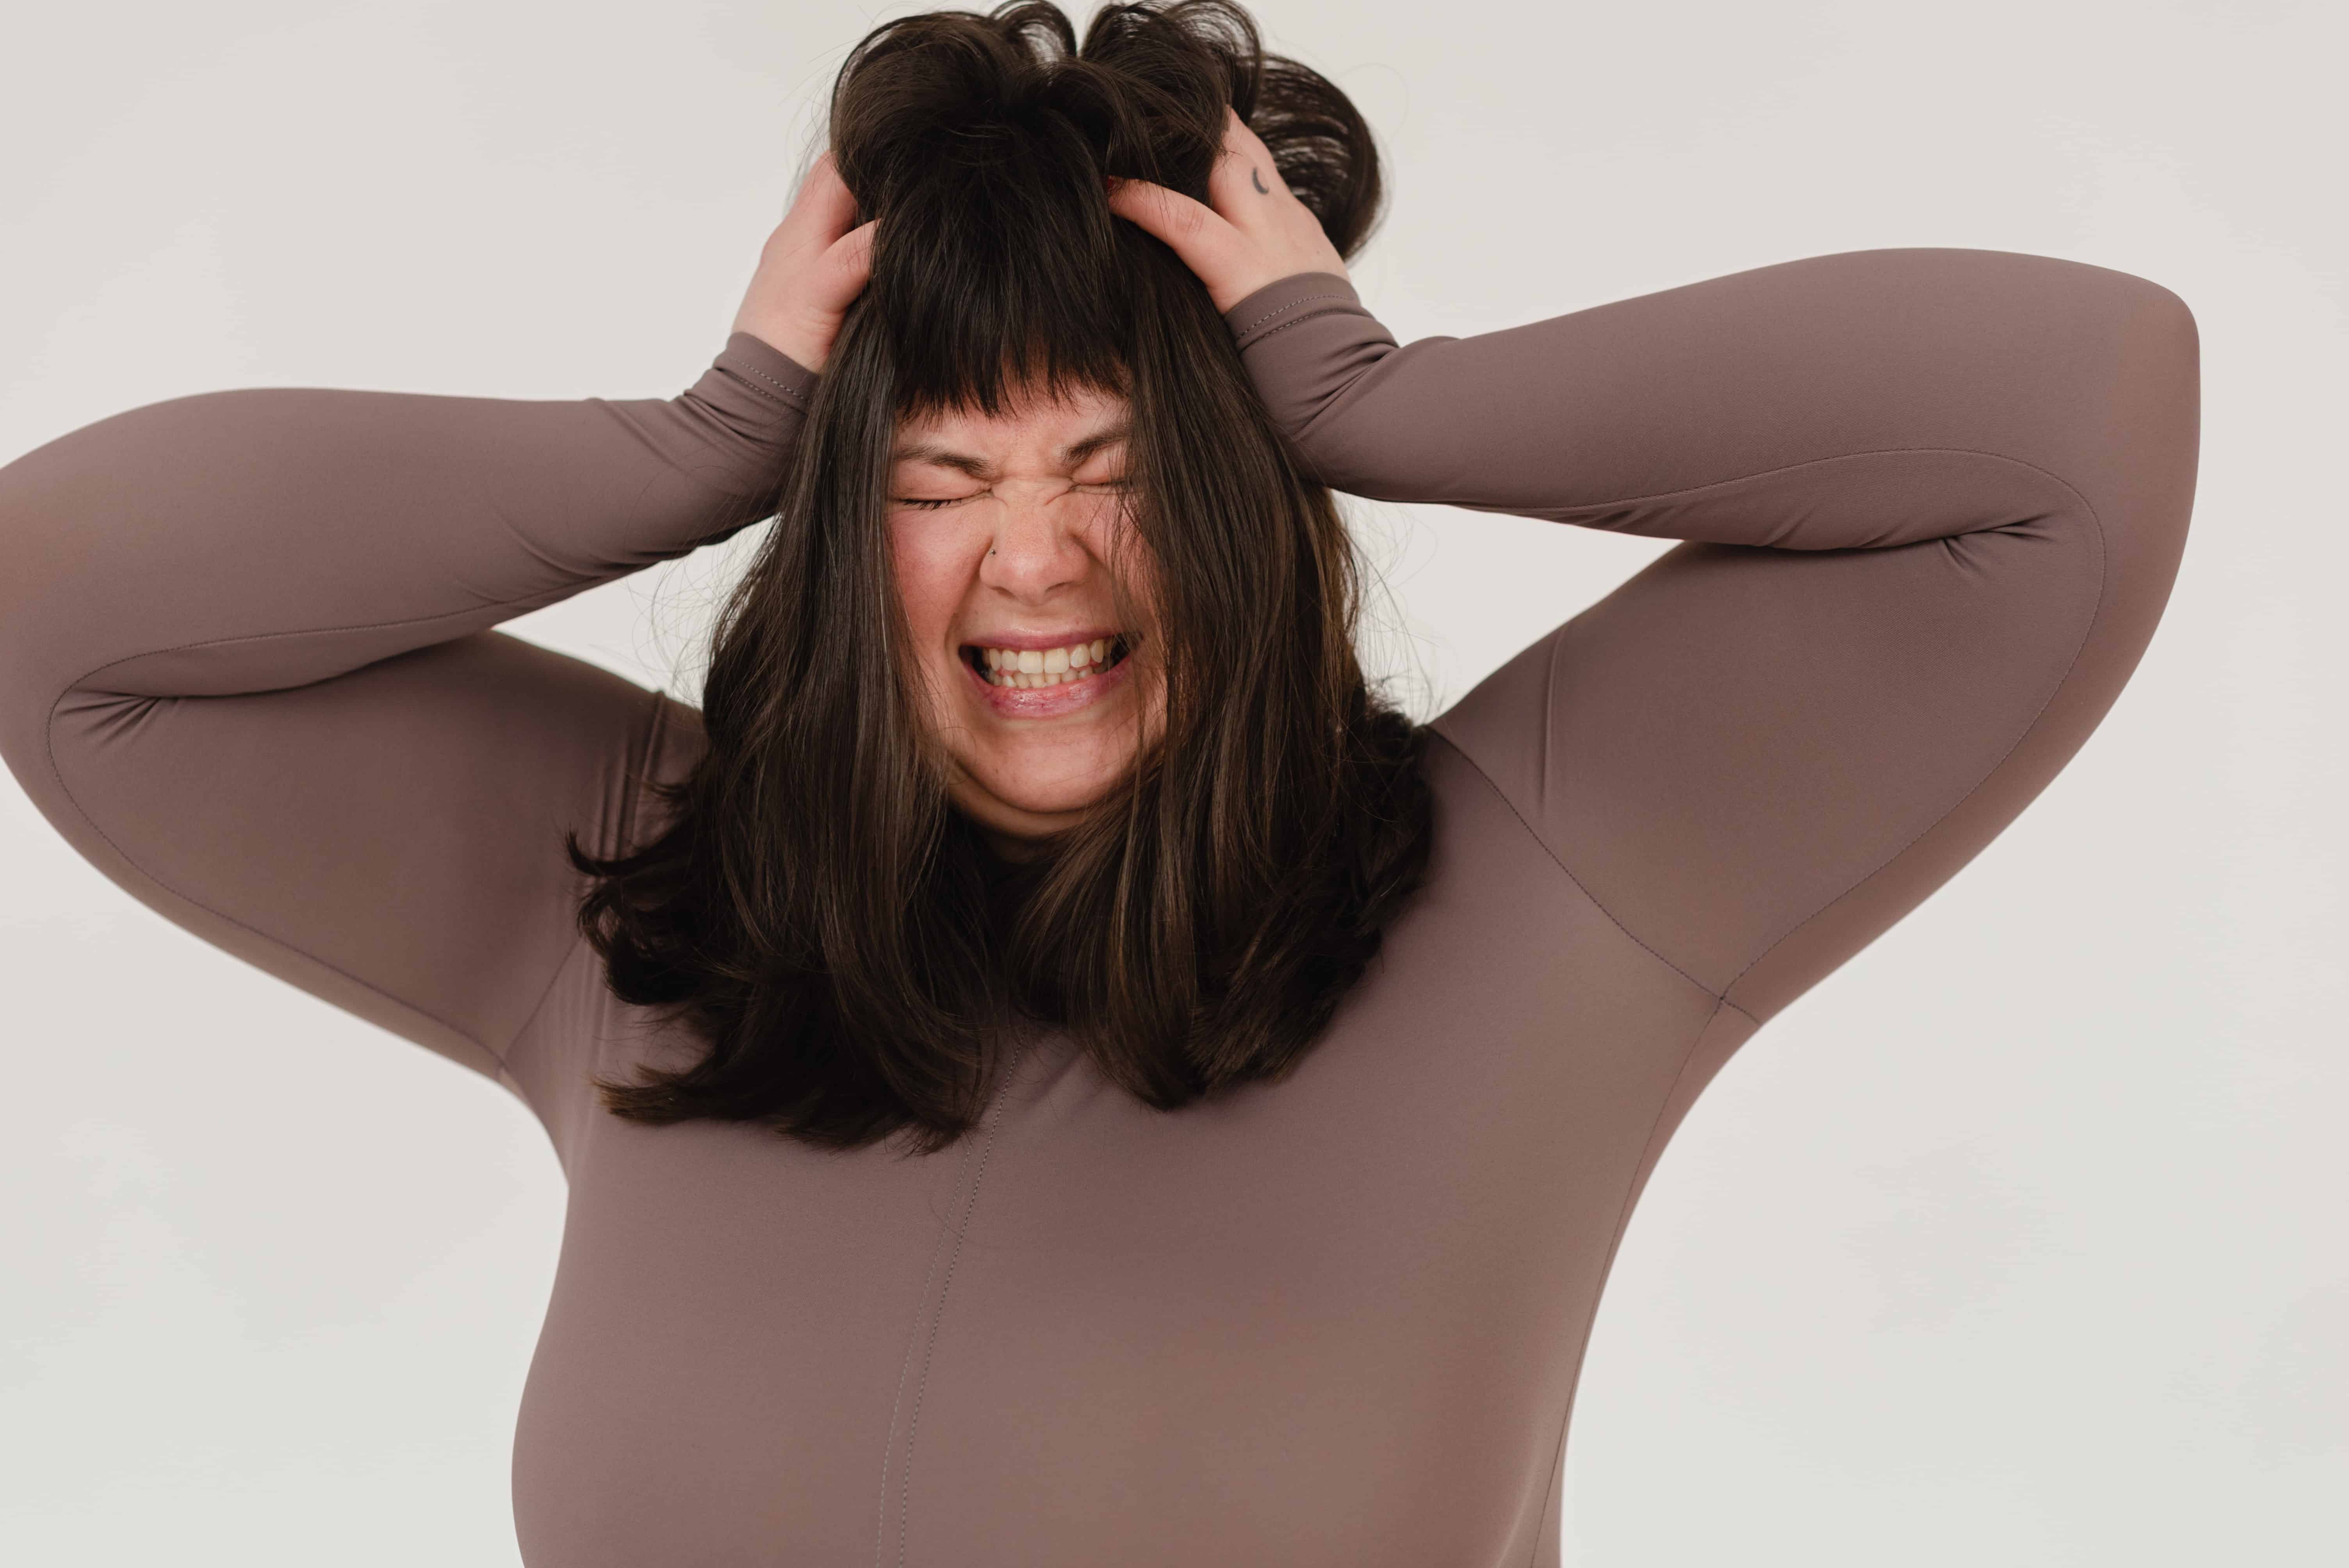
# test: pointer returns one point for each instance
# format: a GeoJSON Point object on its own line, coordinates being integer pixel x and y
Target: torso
{"type": "Point", "coordinates": [1332, 1320]}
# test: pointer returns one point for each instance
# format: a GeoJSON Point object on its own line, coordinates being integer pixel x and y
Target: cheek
{"type": "Point", "coordinates": [1111, 539]}
{"type": "Point", "coordinates": [934, 573]}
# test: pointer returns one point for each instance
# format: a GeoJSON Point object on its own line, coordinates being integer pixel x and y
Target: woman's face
{"type": "Point", "coordinates": [1005, 532]}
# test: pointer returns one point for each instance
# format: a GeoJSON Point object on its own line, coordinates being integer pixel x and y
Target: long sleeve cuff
{"type": "Point", "coordinates": [1304, 339]}
{"type": "Point", "coordinates": [1285, 301]}
{"type": "Point", "coordinates": [758, 367]}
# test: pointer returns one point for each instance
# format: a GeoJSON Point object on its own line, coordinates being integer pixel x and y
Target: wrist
{"type": "Point", "coordinates": [807, 344]}
{"type": "Point", "coordinates": [1287, 300]}
{"type": "Point", "coordinates": [783, 382]}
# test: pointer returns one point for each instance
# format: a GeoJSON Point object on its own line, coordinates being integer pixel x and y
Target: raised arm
{"type": "Point", "coordinates": [246, 668]}
{"type": "Point", "coordinates": [1935, 500]}
{"type": "Point", "coordinates": [1936, 496]}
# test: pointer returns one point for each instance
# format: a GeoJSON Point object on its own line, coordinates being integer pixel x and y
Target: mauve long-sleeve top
{"type": "Point", "coordinates": [1933, 500]}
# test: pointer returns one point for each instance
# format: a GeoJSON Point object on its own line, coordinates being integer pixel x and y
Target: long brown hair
{"type": "Point", "coordinates": [857, 960]}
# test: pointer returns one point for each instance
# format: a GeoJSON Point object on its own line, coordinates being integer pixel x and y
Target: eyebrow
{"type": "Point", "coordinates": [1072, 454]}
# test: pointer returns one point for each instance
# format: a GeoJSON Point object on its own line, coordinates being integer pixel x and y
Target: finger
{"type": "Point", "coordinates": [849, 262]}
{"type": "Point", "coordinates": [824, 209]}
{"type": "Point", "coordinates": [1203, 239]}
{"type": "Point", "coordinates": [1245, 180]}
{"type": "Point", "coordinates": [839, 276]}
{"type": "Point", "coordinates": [1240, 135]}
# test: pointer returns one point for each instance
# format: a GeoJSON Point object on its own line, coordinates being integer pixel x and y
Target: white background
{"type": "Point", "coordinates": [2018, 1242]}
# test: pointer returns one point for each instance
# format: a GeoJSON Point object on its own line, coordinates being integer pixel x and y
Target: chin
{"type": "Point", "coordinates": [1031, 812]}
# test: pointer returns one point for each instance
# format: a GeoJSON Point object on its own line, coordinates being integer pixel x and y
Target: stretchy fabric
{"type": "Point", "coordinates": [1934, 501]}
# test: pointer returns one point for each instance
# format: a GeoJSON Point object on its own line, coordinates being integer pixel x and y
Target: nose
{"type": "Point", "coordinates": [1037, 547]}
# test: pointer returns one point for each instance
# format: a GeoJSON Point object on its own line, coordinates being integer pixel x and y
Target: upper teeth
{"type": "Point", "coordinates": [1043, 667]}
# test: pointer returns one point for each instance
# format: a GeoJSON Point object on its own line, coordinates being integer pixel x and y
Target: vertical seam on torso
{"type": "Point", "coordinates": [929, 1350]}
{"type": "Point", "coordinates": [905, 1365]}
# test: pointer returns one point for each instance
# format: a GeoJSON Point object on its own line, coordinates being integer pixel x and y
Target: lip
{"type": "Point", "coordinates": [1047, 702]}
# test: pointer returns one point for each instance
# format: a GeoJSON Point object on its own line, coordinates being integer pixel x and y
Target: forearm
{"type": "Point", "coordinates": [250, 541]}
{"type": "Point", "coordinates": [1860, 400]}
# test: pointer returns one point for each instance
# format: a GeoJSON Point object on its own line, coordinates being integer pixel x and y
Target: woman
{"type": "Point", "coordinates": [1178, 1113]}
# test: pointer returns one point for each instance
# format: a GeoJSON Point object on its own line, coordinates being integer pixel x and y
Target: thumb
{"type": "Point", "coordinates": [847, 263]}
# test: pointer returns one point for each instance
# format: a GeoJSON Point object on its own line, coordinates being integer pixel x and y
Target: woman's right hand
{"type": "Point", "coordinates": [812, 268]}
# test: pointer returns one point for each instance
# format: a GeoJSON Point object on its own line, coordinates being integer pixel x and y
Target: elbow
{"type": "Point", "coordinates": [2159, 307]}
{"type": "Point", "coordinates": [2159, 336]}
{"type": "Point", "coordinates": [2139, 459]}
{"type": "Point", "coordinates": [2173, 316]}
{"type": "Point", "coordinates": [2155, 396]}
{"type": "Point", "coordinates": [2114, 362]}
{"type": "Point", "coordinates": [49, 621]}
{"type": "Point", "coordinates": [2148, 334]}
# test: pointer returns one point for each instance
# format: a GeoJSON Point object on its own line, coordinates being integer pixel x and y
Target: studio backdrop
{"type": "Point", "coordinates": [2017, 1242]}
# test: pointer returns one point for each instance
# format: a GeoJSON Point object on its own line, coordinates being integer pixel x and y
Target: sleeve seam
{"type": "Point", "coordinates": [2103, 580]}
{"type": "Point", "coordinates": [781, 392]}
{"type": "Point", "coordinates": [81, 682]}
{"type": "Point", "coordinates": [629, 793]}
{"type": "Point", "coordinates": [1568, 513]}
{"type": "Point", "coordinates": [48, 739]}
{"type": "Point", "coordinates": [1558, 513]}
{"type": "Point", "coordinates": [1272, 332]}
{"type": "Point", "coordinates": [1297, 303]}
{"type": "Point", "coordinates": [2095, 614]}
{"type": "Point", "coordinates": [1556, 858]}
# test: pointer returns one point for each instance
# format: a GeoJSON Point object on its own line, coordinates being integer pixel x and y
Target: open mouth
{"type": "Point", "coordinates": [1033, 669]}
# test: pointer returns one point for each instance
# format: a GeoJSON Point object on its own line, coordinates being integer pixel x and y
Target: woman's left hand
{"type": "Point", "coordinates": [1253, 231]}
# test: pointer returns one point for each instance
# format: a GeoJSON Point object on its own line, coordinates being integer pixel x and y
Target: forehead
{"type": "Point", "coordinates": [1030, 424]}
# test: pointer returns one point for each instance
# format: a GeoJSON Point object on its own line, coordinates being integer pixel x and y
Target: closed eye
{"type": "Point", "coordinates": [931, 504]}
